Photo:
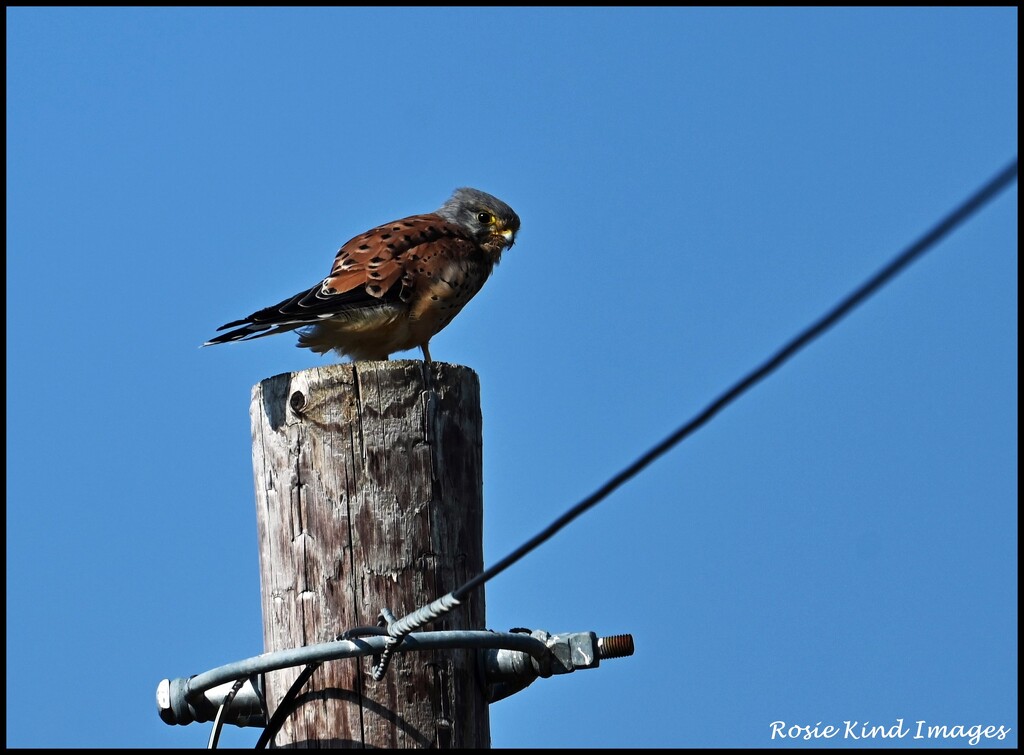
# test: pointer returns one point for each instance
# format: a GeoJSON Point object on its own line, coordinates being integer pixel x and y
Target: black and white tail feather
{"type": "Point", "coordinates": [302, 310]}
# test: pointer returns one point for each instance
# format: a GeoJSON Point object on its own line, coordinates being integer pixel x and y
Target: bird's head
{"type": "Point", "coordinates": [487, 219]}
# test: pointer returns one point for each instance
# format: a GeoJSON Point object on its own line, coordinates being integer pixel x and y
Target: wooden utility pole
{"type": "Point", "coordinates": [369, 495]}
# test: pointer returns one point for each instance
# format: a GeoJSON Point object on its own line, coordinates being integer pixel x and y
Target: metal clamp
{"type": "Point", "coordinates": [510, 671]}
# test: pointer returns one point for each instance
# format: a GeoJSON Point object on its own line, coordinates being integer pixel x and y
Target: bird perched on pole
{"type": "Point", "coordinates": [396, 286]}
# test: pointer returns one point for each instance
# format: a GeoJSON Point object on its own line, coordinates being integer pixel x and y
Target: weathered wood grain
{"type": "Point", "coordinates": [369, 495]}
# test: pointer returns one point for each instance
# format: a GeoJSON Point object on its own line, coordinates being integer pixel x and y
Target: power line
{"type": "Point", "coordinates": [971, 205]}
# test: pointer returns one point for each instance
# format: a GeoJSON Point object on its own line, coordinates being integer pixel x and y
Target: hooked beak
{"type": "Point", "coordinates": [509, 235]}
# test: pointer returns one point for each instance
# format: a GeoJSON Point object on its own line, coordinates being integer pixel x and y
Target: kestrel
{"type": "Point", "coordinates": [396, 286]}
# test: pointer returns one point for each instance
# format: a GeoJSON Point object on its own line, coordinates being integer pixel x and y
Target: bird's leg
{"type": "Point", "coordinates": [426, 352]}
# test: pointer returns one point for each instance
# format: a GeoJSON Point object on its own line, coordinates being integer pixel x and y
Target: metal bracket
{"type": "Point", "coordinates": [512, 660]}
{"type": "Point", "coordinates": [177, 707]}
{"type": "Point", "coordinates": [510, 671]}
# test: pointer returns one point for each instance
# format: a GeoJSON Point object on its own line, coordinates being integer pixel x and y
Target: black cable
{"type": "Point", "coordinates": [287, 705]}
{"type": "Point", "coordinates": [218, 721]}
{"type": "Point", "coordinates": [866, 289]}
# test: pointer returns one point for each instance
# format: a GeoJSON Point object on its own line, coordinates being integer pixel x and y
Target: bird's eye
{"type": "Point", "coordinates": [485, 218]}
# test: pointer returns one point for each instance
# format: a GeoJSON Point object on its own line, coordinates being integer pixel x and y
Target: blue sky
{"type": "Point", "coordinates": [695, 186]}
